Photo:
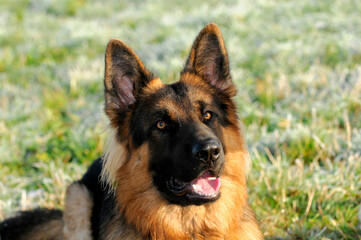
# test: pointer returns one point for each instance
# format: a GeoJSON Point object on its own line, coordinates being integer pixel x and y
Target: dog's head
{"type": "Point", "coordinates": [182, 124]}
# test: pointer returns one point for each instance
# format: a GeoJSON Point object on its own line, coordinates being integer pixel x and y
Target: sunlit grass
{"type": "Point", "coordinates": [296, 64]}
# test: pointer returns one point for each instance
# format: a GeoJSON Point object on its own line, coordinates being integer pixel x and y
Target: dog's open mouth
{"type": "Point", "coordinates": [204, 187]}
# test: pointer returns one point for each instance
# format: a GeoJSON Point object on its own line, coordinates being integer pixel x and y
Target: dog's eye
{"type": "Point", "coordinates": [207, 115]}
{"type": "Point", "coordinates": [161, 124]}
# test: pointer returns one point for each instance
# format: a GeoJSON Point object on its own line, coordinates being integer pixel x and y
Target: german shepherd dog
{"type": "Point", "coordinates": [176, 160]}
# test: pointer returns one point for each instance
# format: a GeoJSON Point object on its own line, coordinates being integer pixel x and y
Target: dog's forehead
{"type": "Point", "coordinates": [189, 86]}
{"type": "Point", "coordinates": [181, 98]}
{"type": "Point", "coordinates": [182, 94]}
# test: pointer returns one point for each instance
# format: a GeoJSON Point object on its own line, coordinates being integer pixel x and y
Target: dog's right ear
{"type": "Point", "coordinates": [125, 76]}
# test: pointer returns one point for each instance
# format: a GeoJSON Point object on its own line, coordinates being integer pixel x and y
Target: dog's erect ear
{"type": "Point", "coordinates": [125, 76]}
{"type": "Point", "coordinates": [208, 58]}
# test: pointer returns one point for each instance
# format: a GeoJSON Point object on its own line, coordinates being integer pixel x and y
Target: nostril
{"type": "Point", "coordinates": [202, 155]}
{"type": "Point", "coordinates": [215, 153]}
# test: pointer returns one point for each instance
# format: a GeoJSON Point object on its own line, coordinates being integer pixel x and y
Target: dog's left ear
{"type": "Point", "coordinates": [208, 58]}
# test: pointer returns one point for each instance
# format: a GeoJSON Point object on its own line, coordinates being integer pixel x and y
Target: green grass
{"type": "Point", "coordinates": [297, 66]}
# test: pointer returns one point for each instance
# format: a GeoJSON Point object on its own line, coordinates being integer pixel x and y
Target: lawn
{"type": "Point", "coordinates": [297, 66]}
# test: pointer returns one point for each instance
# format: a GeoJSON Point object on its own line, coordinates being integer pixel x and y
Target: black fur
{"type": "Point", "coordinates": [15, 227]}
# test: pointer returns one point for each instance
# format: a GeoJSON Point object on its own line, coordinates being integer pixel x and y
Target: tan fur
{"type": "Point", "coordinates": [113, 159]}
{"type": "Point", "coordinates": [198, 83]}
{"type": "Point", "coordinates": [77, 213]}
{"type": "Point", "coordinates": [153, 85]}
{"type": "Point", "coordinates": [227, 218]}
{"type": "Point", "coordinates": [48, 231]}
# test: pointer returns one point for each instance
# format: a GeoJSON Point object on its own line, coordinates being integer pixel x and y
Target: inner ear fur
{"type": "Point", "coordinates": [125, 76]}
{"type": "Point", "coordinates": [209, 59]}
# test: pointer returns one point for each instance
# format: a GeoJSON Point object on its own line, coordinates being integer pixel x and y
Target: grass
{"type": "Point", "coordinates": [297, 66]}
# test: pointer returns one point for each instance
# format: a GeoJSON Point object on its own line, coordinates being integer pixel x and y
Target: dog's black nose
{"type": "Point", "coordinates": [206, 151]}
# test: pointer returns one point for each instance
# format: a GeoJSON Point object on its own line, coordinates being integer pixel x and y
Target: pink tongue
{"type": "Point", "coordinates": [206, 184]}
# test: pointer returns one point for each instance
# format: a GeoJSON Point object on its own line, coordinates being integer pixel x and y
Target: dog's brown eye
{"type": "Point", "coordinates": [161, 124]}
{"type": "Point", "coordinates": [207, 115]}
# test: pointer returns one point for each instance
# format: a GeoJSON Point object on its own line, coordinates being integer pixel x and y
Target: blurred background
{"type": "Point", "coordinates": [296, 64]}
